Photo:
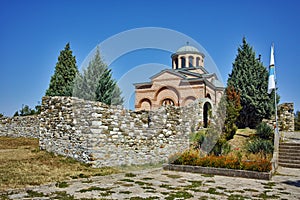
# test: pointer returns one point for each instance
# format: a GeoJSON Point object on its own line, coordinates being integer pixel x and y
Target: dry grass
{"type": "Point", "coordinates": [22, 164]}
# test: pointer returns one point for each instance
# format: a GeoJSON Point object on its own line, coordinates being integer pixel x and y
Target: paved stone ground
{"type": "Point", "coordinates": [291, 137]}
{"type": "Point", "coordinates": [159, 184]}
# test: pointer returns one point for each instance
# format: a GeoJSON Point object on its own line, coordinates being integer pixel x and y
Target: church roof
{"type": "Point", "coordinates": [187, 48]}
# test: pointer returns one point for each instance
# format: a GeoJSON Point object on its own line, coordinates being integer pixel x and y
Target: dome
{"type": "Point", "coordinates": [187, 48]}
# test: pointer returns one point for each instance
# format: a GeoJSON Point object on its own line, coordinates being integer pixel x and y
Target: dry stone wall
{"type": "Point", "coordinates": [103, 135]}
{"type": "Point", "coordinates": [286, 117]}
{"type": "Point", "coordinates": [25, 126]}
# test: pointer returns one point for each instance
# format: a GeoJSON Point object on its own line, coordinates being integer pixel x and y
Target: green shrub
{"type": "Point", "coordinates": [198, 138]}
{"type": "Point", "coordinates": [260, 146]}
{"type": "Point", "coordinates": [264, 131]}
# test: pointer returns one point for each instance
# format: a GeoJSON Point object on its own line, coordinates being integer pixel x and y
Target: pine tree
{"type": "Point", "coordinates": [96, 83]}
{"type": "Point", "coordinates": [250, 78]}
{"type": "Point", "coordinates": [61, 83]}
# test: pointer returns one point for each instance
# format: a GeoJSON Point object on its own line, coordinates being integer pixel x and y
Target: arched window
{"type": "Point", "coordinates": [191, 60]}
{"type": "Point", "coordinates": [176, 63]}
{"type": "Point", "coordinates": [183, 62]}
{"type": "Point", "coordinates": [208, 96]}
{"type": "Point", "coordinates": [197, 62]}
{"type": "Point", "coordinates": [167, 102]}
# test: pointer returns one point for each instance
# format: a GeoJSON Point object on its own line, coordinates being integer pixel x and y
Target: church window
{"type": "Point", "coordinates": [198, 62]}
{"type": "Point", "coordinates": [183, 62]}
{"type": "Point", "coordinates": [191, 60]}
{"type": "Point", "coordinates": [168, 102]}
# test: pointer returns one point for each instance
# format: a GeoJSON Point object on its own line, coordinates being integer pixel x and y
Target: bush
{"type": "Point", "coordinates": [260, 146]}
{"type": "Point", "coordinates": [198, 138]}
{"type": "Point", "coordinates": [264, 131]}
{"type": "Point", "coordinates": [192, 157]}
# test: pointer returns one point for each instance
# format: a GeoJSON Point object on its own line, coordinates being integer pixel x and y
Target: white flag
{"type": "Point", "coordinates": [271, 84]}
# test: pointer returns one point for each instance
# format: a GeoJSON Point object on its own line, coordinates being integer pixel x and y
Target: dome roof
{"type": "Point", "coordinates": [187, 48]}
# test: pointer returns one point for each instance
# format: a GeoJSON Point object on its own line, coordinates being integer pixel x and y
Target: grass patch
{"type": "Point", "coordinates": [179, 195]}
{"type": "Point", "coordinates": [127, 180]}
{"type": "Point", "coordinates": [250, 190]}
{"type": "Point", "coordinates": [142, 183]}
{"type": "Point", "coordinates": [174, 176]}
{"type": "Point", "coordinates": [147, 179]}
{"type": "Point", "coordinates": [106, 193]}
{"type": "Point", "coordinates": [194, 184]}
{"type": "Point", "coordinates": [32, 194]}
{"type": "Point", "coordinates": [141, 198]}
{"type": "Point", "coordinates": [125, 192]}
{"type": "Point", "coordinates": [62, 195]}
{"type": "Point", "coordinates": [130, 175]}
{"type": "Point", "coordinates": [235, 197]}
{"type": "Point", "coordinates": [207, 175]}
{"type": "Point", "coordinates": [94, 188]}
{"type": "Point", "coordinates": [213, 191]}
{"type": "Point", "coordinates": [264, 195]}
{"type": "Point", "coordinates": [166, 186]}
{"type": "Point", "coordinates": [22, 165]}
{"type": "Point", "coordinates": [62, 184]}
{"type": "Point", "coordinates": [268, 185]}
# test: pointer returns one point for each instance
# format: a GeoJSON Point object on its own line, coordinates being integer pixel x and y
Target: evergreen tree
{"type": "Point", "coordinates": [86, 84]}
{"type": "Point", "coordinates": [250, 78]}
{"type": "Point", "coordinates": [107, 90]}
{"type": "Point", "coordinates": [62, 82]}
{"type": "Point", "coordinates": [96, 83]}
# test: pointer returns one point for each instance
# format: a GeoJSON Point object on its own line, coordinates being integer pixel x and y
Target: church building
{"type": "Point", "coordinates": [187, 81]}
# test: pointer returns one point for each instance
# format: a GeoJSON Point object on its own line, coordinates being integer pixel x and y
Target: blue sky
{"type": "Point", "coordinates": [32, 33]}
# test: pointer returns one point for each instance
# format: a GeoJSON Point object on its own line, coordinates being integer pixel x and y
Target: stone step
{"type": "Point", "coordinates": [289, 150]}
{"type": "Point", "coordinates": [290, 165]}
{"type": "Point", "coordinates": [289, 157]}
{"type": "Point", "coordinates": [281, 160]}
{"type": "Point", "coordinates": [289, 145]}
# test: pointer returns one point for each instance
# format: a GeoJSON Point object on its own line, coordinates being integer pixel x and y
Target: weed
{"type": "Point", "coordinates": [165, 193]}
{"type": "Point", "coordinates": [148, 188]}
{"type": "Point", "coordinates": [283, 192]}
{"type": "Point", "coordinates": [194, 184]}
{"type": "Point", "coordinates": [62, 184]}
{"type": "Point", "coordinates": [204, 198]}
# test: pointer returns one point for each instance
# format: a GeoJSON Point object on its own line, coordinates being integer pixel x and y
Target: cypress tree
{"type": "Point", "coordinates": [250, 78]}
{"type": "Point", "coordinates": [96, 83]}
{"type": "Point", "coordinates": [61, 83]}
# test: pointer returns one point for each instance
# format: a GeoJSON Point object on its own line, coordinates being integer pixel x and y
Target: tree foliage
{"type": "Point", "coordinates": [250, 78]}
{"type": "Point", "coordinates": [61, 83]}
{"type": "Point", "coordinates": [96, 83]}
{"type": "Point", "coordinates": [233, 107]}
{"type": "Point", "coordinates": [26, 110]}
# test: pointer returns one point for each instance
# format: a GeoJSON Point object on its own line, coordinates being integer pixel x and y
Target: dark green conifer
{"type": "Point", "coordinates": [250, 78]}
{"type": "Point", "coordinates": [62, 81]}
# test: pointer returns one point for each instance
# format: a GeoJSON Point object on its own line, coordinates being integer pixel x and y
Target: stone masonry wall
{"type": "Point", "coordinates": [285, 113]}
{"type": "Point", "coordinates": [103, 135]}
{"type": "Point", "coordinates": [26, 126]}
